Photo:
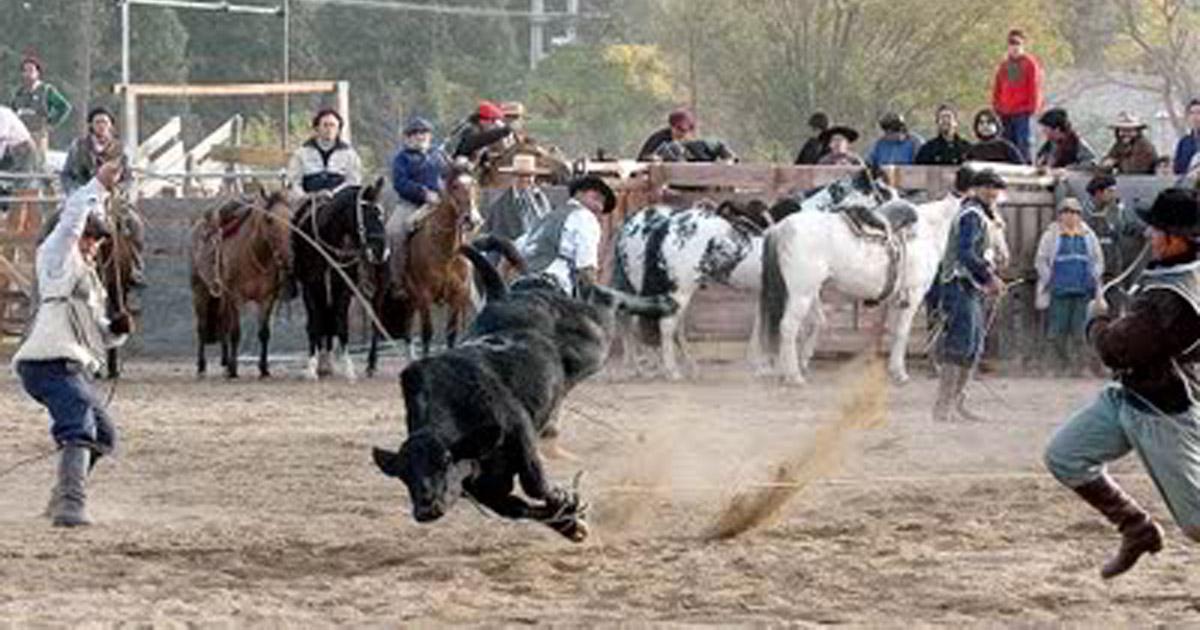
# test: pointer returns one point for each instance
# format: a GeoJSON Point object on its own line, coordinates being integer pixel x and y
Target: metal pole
{"type": "Point", "coordinates": [125, 42]}
{"type": "Point", "coordinates": [287, 27]}
{"type": "Point", "coordinates": [537, 9]}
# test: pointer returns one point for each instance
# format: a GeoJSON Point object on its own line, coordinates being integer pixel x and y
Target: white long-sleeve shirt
{"type": "Point", "coordinates": [12, 131]}
{"type": "Point", "coordinates": [71, 322]}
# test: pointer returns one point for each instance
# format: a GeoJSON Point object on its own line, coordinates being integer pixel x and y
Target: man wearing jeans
{"type": "Point", "coordinates": [1017, 92]}
{"type": "Point", "coordinates": [1151, 406]}
{"type": "Point", "coordinates": [68, 341]}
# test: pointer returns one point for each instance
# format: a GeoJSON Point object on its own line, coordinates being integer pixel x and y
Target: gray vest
{"type": "Point", "coordinates": [952, 268]}
{"type": "Point", "coordinates": [545, 239]}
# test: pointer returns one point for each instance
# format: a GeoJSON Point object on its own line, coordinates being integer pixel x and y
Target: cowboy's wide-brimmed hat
{"type": "Point", "coordinates": [1175, 211]}
{"type": "Point", "coordinates": [513, 109]}
{"type": "Point", "coordinates": [988, 178]}
{"type": "Point", "coordinates": [1126, 120]}
{"type": "Point", "coordinates": [594, 182]}
{"type": "Point", "coordinates": [524, 164]}
{"type": "Point", "coordinates": [839, 130]}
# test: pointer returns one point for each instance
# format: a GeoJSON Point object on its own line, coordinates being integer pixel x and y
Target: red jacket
{"type": "Point", "coordinates": [1021, 94]}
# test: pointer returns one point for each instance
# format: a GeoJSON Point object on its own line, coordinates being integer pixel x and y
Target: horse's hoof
{"type": "Point", "coordinates": [674, 376]}
{"type": "Point", "coordinates": [264, 376]}
{"type": "Point", "coordinates": [900, 378]}
{"type": "Point", "coordinates": [794, 380]}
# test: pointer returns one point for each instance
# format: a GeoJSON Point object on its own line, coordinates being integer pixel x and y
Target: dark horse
{"type": "Point", "coordinates": [433, 271]}
{"type": "Point", "coordinates": [349, 230]}
{"type": "Point", "coordinates": [239, 255]}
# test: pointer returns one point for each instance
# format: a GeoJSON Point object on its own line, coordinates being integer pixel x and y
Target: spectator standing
{"type": "Point", "coordinates": [1189, 144]}
{"type": "Point", "coordinates": [1132, 153]}
{"type": "Point", "coordinates": [814, 147]}
{"type": "Point", "coordinates": [897, 145]}
{"type": "Point", "coordinates": [1069, 264]}
{"type": "Point", "coordinates": [1063, 147]}
{"type": "Point", "coordinates": [1017, 92]}
{"type": "Point", "coordinates": [991, 145]}
{"type": "Point", "coordinates": [948, 148]}
{"type": "Point", "coordinates": [39, 105]}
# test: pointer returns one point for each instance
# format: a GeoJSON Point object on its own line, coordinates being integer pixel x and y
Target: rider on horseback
{"type": "Point", "coordinates": [83, 159]}
{"type": "Point", "coordinates": [325, 163]}
{"type": "Point", "coordinates": [475, 138]}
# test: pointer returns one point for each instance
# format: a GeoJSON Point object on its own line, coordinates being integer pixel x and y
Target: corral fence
{"type": "Point", "coordinates": [717, 313]}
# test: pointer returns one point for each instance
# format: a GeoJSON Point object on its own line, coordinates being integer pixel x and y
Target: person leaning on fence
{"type": "Point", "coordinates": [1070, 266]}
{"type": "Point", "coordinates": [897, 146]}
{"type": "Point", "coordinates": [1063, 148]}
{"type": "Point", "coordinates": [990, 145]}
{"type": "Point", "coordinates": [814, 147]}
{"type": "Point", "coordinates": [839, 138]}
{"type": "Point", "coordinates": [99, 145]}
{"type": "Point", "coordinates": [948, 148]}
{"type": "Point", "coordinates": [681, 127]}
{"type": "Point", "coordinates": [1189, 145]}
{"type": "Point", "coordinates": [67, 343]}
{"type": "Point", "coordinates": [966, 276]}
{"type": "Point", "coordinates": [1151, 405]}
{"type": "Point", "coordinates": [18, 154]}
{"type": "Point", "coordinates": [39, 104]}
{"type": "Point", "coordinates": [523, 205]}
{"type": "Point", "coordinates": [1131, 153]}
{"type": "Point", "coordinates": [1119, 229]}
{"type": "Point", "coordinates": [1017, 93]}
{"type": "Point", "coordinates": [325, 163]}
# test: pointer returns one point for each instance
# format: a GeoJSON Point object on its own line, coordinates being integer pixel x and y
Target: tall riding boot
{"type": "Point", "coordinates": [1139, 533]}
{"type": "Point", "coordinates": [71, 509]}
{"type": "Point", "coordinates": [947, 384]}
{"type": "Point", "coordinates": [960, 397]}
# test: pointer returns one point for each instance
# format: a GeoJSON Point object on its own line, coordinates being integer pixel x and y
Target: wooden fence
{"type": "Point", "coordinates": [18, 238]}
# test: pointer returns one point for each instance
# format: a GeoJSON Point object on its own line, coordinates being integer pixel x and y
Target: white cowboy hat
{"type": "Point", "coordinates": [524, 164]}
{"type": "Point", "coordinates": [1126, 120]}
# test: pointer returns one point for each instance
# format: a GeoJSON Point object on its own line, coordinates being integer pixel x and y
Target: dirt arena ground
{"type": "Point", "coordinates": [257, 504]}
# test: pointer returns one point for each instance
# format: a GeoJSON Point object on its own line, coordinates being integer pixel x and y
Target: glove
{"type": "Point", "coordinates": [1097, 308]}
{"type": "Point", "coordinates": [121, 324]}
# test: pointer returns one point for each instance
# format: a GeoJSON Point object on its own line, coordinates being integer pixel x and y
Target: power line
{"type": "Point", "coordinates": [469, 11]}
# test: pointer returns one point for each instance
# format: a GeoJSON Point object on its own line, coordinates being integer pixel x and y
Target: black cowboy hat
{"type": "Point", "coordinates": [1055, 118]}
{"type": "Point", "coordinates": [988, 178]}
{"type": "Point", "coordinates": [593, 182]}
{"type": "Point", "coordinates": [1175, 211]}
{"type": "Point", "coordinates": [839, 130]}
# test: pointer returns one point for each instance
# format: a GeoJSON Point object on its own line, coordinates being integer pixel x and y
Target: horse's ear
{"type": "Point", "coordinates": [372, 191]}
{"type": "Point", "coordinates": [264, 195]}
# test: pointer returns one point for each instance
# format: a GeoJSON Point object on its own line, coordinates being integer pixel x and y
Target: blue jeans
{"type": "Point", "coordinates": [1116, 423]}
{"type": "Point", "coordinates": [76, 415]}
{"type": "Point", "coordinates": [1017, 131]}
{"type": "Point", "coordinates": [962, 338]}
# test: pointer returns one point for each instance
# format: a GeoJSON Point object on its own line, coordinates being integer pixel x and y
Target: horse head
{"type": "Point", "coordinates": [462, 196]}
{"type": "Point", "coordinates": [357, 214]}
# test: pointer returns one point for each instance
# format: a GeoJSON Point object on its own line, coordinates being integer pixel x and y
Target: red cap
{"type": "Point", "coordinates": [490, 111]}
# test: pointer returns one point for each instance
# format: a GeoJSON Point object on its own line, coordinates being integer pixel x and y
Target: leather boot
{"type": "Point", "coordinates": [960, 397]}
{"type": "Point", "coordinates": [947, 382]}
{"type": "Point", "coordinates": [1139, 533]}
{"type": "Point", "coordinates": [71, 509]}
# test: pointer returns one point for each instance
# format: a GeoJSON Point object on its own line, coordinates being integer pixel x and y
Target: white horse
{"type": "Point", "coordinates": [808, 250]}
{"type": "Point", "coordinates": [664, 252]}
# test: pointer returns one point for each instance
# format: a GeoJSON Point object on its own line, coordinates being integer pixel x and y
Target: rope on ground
{"type": "Point", "coordinates": [27, 461]}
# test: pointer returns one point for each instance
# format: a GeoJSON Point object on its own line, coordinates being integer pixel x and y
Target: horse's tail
{"type": "Point", "coordinates": [773, 296]}
{"type": "Point", "coordinates": [494, 287]}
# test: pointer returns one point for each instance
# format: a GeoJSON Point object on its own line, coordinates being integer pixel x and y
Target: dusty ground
{"type": "Point", "coordinates": [256, 503]}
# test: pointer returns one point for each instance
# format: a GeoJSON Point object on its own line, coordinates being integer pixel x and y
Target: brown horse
{"type": "Point", "coordinates": [432, 271]}
{"type": "Point", "coordinates": [239, 255]}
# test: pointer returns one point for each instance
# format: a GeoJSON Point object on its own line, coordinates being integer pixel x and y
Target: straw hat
{"type": "Point", "coordinates": [513, 109]}
{"type": "Point", "coordinates": [1125, 120]}
{"type": "Point", "coordinates": [524, 164]}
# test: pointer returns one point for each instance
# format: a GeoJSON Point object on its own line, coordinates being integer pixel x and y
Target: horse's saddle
{"type": "Point", "coordinates": [751, 218]}
{"type": "Point", "coordinates": [888, 224]}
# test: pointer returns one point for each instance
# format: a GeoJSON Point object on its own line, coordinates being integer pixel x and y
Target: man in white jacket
{"type": "Point", "coordinates": [68, 341]}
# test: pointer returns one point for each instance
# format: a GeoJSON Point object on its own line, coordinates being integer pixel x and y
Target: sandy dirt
{"type": "Point", "coordinates": [256, 503]}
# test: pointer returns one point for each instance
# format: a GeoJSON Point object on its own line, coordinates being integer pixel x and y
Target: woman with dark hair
{"type": "Point", "coordinates": [1063, 147]}
{"type": "Point", "coordinates": [325, 163]}
{"type": "Point", "coordinates": [992, 146]}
